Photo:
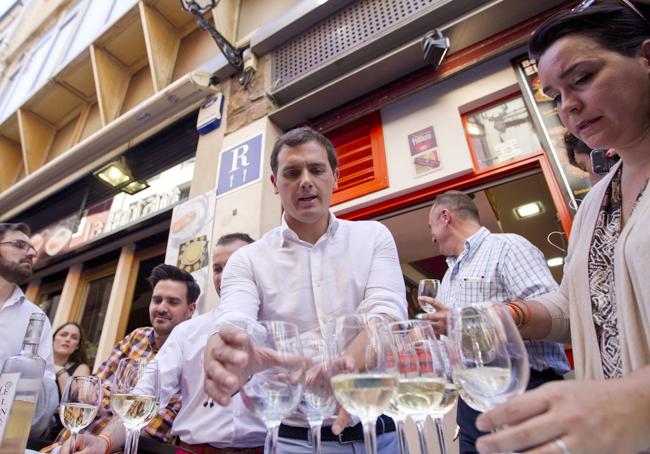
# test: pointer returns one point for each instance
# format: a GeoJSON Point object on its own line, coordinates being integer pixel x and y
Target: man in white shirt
{"type": "Point", "coordinates": [201, 427]}
{"type": "Point", "coordinates": [16, 260]}
{"type": "Point", "coordinates": [310, 270]}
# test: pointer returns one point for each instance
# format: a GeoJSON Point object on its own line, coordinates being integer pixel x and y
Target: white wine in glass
{"type": "Point", "coordinates": [79, 403]}
{"type": "Point", "coordinates": [489, 360]}
{"type": "Point", "coordinates": [135, 394]}
{"type": "Point", "coordinates": [364, 373]}
{"type": "Point", "coordinates": [428, 287]}
{"type": "Point", "coordinates": [275, 391]}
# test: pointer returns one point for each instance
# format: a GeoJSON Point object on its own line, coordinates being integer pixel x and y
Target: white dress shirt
{"type": "Point", "coordinates": [14, 318]}
{"type": "Point", "coordinates": [352, 268]}
{"type": "Point", "coordinates": [180, 362]}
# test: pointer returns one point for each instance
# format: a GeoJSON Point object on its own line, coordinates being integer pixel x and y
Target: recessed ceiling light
{"type": "Point", "coordinates": [529, 210]}
{"type": "Point", "coordinates": [555, 261]}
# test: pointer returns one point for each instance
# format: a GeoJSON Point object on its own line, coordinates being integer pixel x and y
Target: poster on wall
{"type": "Point", "coordinates": [424, 151]}
{"type": "Point", "coordinates": [575, 181]}
{"type": "Point", "coordinates": [190, 238]}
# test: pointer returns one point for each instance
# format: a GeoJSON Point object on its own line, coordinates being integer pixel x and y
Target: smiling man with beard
{"type": "Point", "coordinates": [16, 260]}
{"type": "Point", "coordinates": [173, 300]}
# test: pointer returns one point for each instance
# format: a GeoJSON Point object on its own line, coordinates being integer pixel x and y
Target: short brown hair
{"type": "Point", "coordinates": [164, 272]}
{"type": "Point", "coordinates": [13, 227]}
{"type": "Point", "coordinates": [232, 237]}
{"type": "Point", "coordinates": [458, 203]}
{"type": "Point", "coordinates": [299, 136]}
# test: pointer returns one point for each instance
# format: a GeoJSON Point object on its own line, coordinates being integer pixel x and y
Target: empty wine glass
{"type": "Point", "coordinates": [135, 395]}
{"type": "Point", "coordinates": [488, 356]}
{"type": "Point", "coordinates": [364, 375]}
{"type": "Point", "coordinates": [275, 391]}
{"type": "Point", "coordinates": [450, 395]}
{"type": "Point", "coordinates": [428, 287]}
{"type": "Point", "coordinates": [317, 401]}
{"type": "Point", "coordinates": [422, 383]}
{"type": "Point", "coordinates": [79, 403]}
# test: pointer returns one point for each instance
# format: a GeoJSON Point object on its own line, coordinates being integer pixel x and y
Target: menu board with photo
{"type": "Point", "coordinates": [190, 238]}
{"type": "Point", "coordinates": [424, 151]}
{"type": "Point", "coordinates": [574, 180]}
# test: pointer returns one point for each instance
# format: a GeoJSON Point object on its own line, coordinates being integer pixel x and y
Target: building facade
{"type": "Point", "coordinates": [89, 83]}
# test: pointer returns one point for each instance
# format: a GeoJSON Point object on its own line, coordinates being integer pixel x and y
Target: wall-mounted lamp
{"type": "Point", "coordinates": [135, 186]}
{"type": "Point", "coordinates": [117, 175]}
{"type": "Point", "coordinates": [233, 54]}
{"type": "Point", "coordinates": [435, 46]}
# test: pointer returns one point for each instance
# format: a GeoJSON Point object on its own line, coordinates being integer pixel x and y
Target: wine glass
{"type": "Point", "coordinates": [364, 374]}
{"type": "Point", "coordinates": [422, 383]}
{"type": "Point", "coordinates": [428, 287]}
{"type": "Point", "coordinates": [450, 395]}
{"type": "Point", "coordinates": [79, 403]}
{"type": "Point", "coordinates": [135, 395]}
{"type": "Point", "coordinates": [317, 401]}
{"type": "Point", "coordinates": [273, 392]}
{"type": "Point", "coordinates": [487, 354]}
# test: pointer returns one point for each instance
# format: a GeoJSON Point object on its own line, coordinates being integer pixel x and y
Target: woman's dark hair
{"type": "Point", "coordinates": [610, 23]}
{"type": "Point", "coordinates": [78, 356]}
{"type": "Point", "coordinates": [164, 272]}
{"type": "Point", "coordinates": [575, 146]}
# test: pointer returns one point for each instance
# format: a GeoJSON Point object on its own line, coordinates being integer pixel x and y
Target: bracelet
{"type": "Point", "coordinates": [107, 439]}
{"type": "Point", "coordinates": [517, 314]}
{"type": "Point", "coordinates": [528, 313]}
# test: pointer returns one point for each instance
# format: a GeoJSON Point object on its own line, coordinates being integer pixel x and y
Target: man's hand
{"type": "Point", "coordinates": [86, 444]}
{"type": "Point", "coordinates": [588, 416]}
{"type": "Point", "coordinates": [229, 359]}
{"type": "Point", "coordinates": [438, 318]}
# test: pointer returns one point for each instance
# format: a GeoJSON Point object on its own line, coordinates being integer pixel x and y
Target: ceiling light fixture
{"type": "Point", "coordinates": [528, 210]}
{"type": "Point", "coordinates": [135, 186]}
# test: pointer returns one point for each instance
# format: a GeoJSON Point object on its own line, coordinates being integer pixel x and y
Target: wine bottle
{"type": "Point", "coordinates": [20, 383]}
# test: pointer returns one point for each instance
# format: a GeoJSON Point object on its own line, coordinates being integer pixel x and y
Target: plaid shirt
{"type": "Point", "coordinates": [503, 267]}
{"type": "Point", "coordinates": [138, 344]}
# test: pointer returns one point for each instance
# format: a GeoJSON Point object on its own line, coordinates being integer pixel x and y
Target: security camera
{"type": "Point", "coordinates": [435, 47]}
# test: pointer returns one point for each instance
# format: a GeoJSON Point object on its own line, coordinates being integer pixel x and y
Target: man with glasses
{"type": "Point", "coordinates": [16, 260]}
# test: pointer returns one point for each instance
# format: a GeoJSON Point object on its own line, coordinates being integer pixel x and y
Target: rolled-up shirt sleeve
{"type": "Point", "coordinates": [385, 291]}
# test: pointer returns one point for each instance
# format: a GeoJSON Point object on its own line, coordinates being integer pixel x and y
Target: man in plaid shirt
{"type": "Point", "coordinates": [173, 301]}
{"type": "Point", "coordinates": [485, 266]}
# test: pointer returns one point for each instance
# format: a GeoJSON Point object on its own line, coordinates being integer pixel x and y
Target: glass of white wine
{"type": "Point", "coordinates": [273, 392]}
{"type": "Point", "coordinates": [487, 354]}
{"type": "Point", "coordinates": [422, 384]}
{"type": "Point", "coordinates": [428, 287]}
{"type": "Point", "coordinates": [364, 370]}
{"type": "Point", "coordinates": [317, 401]}
{"type": "Point", "coordinates": [79, 403]}
{"type": "Point", "coordinates": [135, 394]}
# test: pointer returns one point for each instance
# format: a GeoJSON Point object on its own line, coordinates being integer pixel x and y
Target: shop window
{"type": "Point", "coordinates": [500, 132]}
{"type": "Point", "coordinates": [97, 292]}
{"type": "Point", "coordinates": [362, 159]}
{"type": "Point", "coordinates": [48, 301]}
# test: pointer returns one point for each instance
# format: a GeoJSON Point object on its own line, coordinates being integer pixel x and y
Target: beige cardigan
{"type": "Point", "coordinates": [570, 306]}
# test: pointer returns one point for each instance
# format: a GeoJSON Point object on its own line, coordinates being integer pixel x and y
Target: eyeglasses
{"type": "Point", "coordinates": [21, 244]}
{"type": "Point", "coordinates": [584, 4]}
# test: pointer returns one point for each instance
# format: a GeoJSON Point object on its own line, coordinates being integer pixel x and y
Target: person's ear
{"type": "Point", "coordinates": [645, 53]}
{"type": "Point", "coordinates": [275, 186]}
{"type": "Point", "coordinates": [337, 175]}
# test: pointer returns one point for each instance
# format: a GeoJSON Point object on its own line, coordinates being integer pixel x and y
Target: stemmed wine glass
{"type": "Point", "coordinates": [135, 395]}
{"type": "Point", "coordinates": [488, 356]}
{"type": "Point", "coordinates": [317, 399]}
{"type": "Point", "coordinates": [428, 287]}
{"type": "Point", "coordinates": [422, 384]}
{"type": "Point", "coordinates": [364, 374]}
{"type": "Point", "coordinates": [79, 403]}
{"type": "Point", "coordinates": [273, 392]}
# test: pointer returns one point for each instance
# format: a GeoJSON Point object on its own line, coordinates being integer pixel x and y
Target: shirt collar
{"type": "Point", "coordinates": [16, 297]}
{"type": "Point", "coordinates": [470, 246]}
{"type": "Point", "coordinates": [152, 340]}
{"type": "Point", "coordinates": [289, 235]}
